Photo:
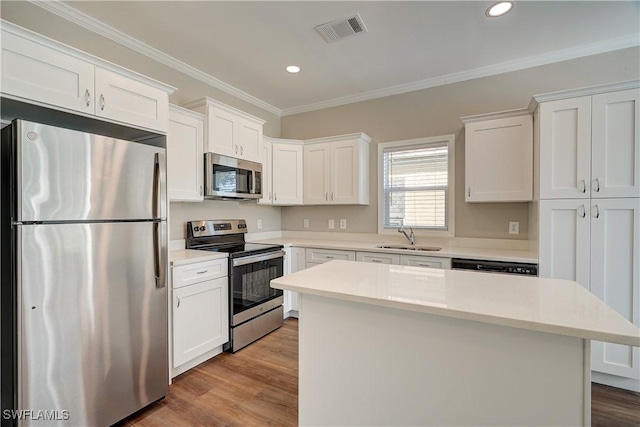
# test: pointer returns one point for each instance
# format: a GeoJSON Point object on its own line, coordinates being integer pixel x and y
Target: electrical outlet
{"type": "Point", "coordinates": [332, 224]}
{"type": "Point", "coordinates": [343, 224]}
{"type": "Point", "coordinates": [305, 223]}
{"type": "Point", "coordinates": [259, 224]}
{"type": "Point", "coordinates": [514, 227]}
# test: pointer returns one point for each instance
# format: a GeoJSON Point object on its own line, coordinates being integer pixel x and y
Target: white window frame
{"type": "Point", "coordinates": [450, 140]}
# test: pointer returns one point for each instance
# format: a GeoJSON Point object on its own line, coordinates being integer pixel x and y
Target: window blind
{"type": "Point", "coordinates": [415, 186]}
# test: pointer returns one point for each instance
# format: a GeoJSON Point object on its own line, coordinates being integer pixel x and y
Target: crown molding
{"type": "Point", "coordinates": [71, 14]}
{"type": "Point", "coordinates": [504, 67]}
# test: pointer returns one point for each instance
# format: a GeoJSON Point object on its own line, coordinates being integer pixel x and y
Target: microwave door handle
{"type": "Point", "coordinates": [252, 183]}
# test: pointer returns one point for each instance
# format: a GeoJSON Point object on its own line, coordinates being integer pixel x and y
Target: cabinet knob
{"type": "Point", "coordinates": [87, 97]}
{"type": "Point", "coordinates": [102, 102]}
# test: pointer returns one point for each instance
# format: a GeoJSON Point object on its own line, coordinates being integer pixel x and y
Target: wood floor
{"type": "Point", "coordinates": [259, 386]}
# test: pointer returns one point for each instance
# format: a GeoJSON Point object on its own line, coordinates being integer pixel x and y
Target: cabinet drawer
{"type": "Point", "coordinates": [325, 255]}
{"type": "Point", "coordinates": [424, 261]}
{"type": "Point", "coordinates": [378, 258]}
{"type": "Point", "coordinates": [199, 272]}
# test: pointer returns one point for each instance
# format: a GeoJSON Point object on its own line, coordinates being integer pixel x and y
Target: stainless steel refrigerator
{"type": "Point", "coordinates": [84, 255]}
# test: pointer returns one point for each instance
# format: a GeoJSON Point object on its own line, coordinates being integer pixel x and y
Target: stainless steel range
{"type": "Point", "coordinates": [255, 309]}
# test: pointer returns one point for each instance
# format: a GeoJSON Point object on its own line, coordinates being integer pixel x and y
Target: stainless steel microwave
{"type": "Point", "coordinates": [228, 178]}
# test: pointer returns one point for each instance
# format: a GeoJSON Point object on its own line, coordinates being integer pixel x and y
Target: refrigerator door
{"type": "Point", "coordinates": [66, 175]}
{"type": "Point", "coordinates": [92, 321]}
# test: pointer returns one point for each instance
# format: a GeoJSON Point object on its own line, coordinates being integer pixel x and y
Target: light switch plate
{"type": "Point", "coordinates": [343, 224]}
{"type": "Point", "coordinates": [259, 224]}
{"type": "Point", "coordinates": [332, 224]}
{"type": "Point", "coordinates": [305, 223]}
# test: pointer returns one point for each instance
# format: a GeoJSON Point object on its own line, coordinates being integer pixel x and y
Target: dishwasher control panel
{"type": "Point", "coordinates": [494, 266]}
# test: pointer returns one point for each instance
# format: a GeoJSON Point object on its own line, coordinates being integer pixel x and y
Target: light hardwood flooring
{"type": "Point", "coordinates": [258, 386]}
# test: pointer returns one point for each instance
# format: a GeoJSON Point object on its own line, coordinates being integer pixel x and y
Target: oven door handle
{"type": "Point", "coordinates": [257, 258]}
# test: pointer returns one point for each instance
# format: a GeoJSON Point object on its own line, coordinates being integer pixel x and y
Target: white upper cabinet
{"type": "Point", "coordinates": [185, 142]}
{"type": "Point", "coordinates": [286, 172]}
{"type": "Point", "coordinates": [267, 166]}
{"type": "Point", "coordinates": [590, 146]}
{"type": "Point", "coordinates": [615, 144]}
{"type": "Point", "coordinates": [229, 131]}
{"type": "Point", "coordinates": [38, 70]}
{"type": "Point", "coordinates": [336, 170]}
{"type": "Point", "coordinates": [499, 157]}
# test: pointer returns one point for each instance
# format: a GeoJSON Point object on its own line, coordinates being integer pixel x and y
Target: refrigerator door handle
{"type": "Point", "coordinates": [160, 253]}
{"type": "Point", "coordinates": [160, 181]}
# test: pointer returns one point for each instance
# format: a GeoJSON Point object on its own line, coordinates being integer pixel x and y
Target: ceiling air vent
{"type": "Point", "coordinates": [341, 28]}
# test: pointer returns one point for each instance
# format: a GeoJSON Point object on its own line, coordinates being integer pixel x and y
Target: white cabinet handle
{"type": "Point", "coordinates": [376, 260]}
{"type": "Point", "coordinates": [597, 185]}
{"type": "Point", "coordinates": [468, 191]}
{"type": "Point", "coordinates": [202, 272]}
{"type": "Point", "coordinates": [329, 257]}
{"type": "Point", "coordinates": [102, 102]}
{"type": "Point", "coordinates": [177, 306]}
{"type": "Point", "coordinates": [332, 195]}
{"type": "Point", "coordinates": [326, 196]}
{"type": "Point", "coordinates": [597, 212]}
{"type": "Point", "coordinates": [87, 97]}
{"type": "Point", "coordinates": [241, 150]}
{"type": "Point", "coordinates": [201, 190]}
{"type": "Point", "coordinates": [582, 185]}
{"type": "Point", "coordinates": [275, 197]}
{"type": "Point", "coordinates": [582, 211]}
{"type": "Point", "coordinates": [236, 149]}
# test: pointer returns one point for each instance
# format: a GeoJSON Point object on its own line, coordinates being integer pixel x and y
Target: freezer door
{"type": "Point", "coordinates": [92, 321]}
{"type": "Point", "coordinates": [66, 175]}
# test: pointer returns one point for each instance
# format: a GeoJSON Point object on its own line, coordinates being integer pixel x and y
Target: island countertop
{"type": "Point", "coordinates": [553, 306]}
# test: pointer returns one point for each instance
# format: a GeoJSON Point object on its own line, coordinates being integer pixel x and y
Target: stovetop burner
{"type": "Point", "coordinates": [224, 236]}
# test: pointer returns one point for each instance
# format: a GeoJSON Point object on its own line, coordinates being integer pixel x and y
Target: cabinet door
{"type": "Point", "coordinates": [185, 142]}
{"type": "Point", "coordinates": [317, 180]}
{"type": "Point", "coordinates": [35, 72]}
{"type": "Point", "coordinates": [564, 240]}
{"type": "Point", "coordinates": [287, 174]}
{"type": "Point", "coordinates": [423, 261]}
{"type": "Point", "coordinates": [222, 132]}
{"type": "Point", "coordinates": [249, 139]}
{"type": "Point", "coordinates": [378, 258]}
{"type": "Point", "coordinates": [615, 144]}
{"type": "Point", "coordinates": [345, 172]}
{"type": "Point", "coordinates": [200, 319]}
{"type": "Point", "coordinates": [615, 277]}
{"type": "Point", "coordinates": [499, 160]}
{"type": "Point", "coordinates": [565, 148]}
{"type": "Point", "coordinates": [128, 101]}
{"type": "Point", "coordinates": [267, 172]}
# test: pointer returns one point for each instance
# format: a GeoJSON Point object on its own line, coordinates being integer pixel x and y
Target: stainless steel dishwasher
{"type": "Point", "coordinates": [494, 266]}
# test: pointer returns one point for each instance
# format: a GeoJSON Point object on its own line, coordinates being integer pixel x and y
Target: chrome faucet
{"type": "Point", "coordinates": [410, 237]}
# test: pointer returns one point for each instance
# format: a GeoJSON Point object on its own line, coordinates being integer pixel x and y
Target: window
{"type": "Point", "coordinates": [416, 185]}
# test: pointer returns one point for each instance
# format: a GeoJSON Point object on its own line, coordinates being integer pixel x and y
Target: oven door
{"type": "Point", "coordinates": [251, 294]}
{"type": "Point", "coordinates": [230, 178]}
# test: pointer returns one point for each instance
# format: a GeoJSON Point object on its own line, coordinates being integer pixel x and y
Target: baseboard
{"type": "Point", "coordinates": [615, 381]}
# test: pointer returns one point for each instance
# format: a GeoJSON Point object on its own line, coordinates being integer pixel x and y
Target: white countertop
{"type": "Point", "coordinates": [511, 255]}
{"type": "Point", "coordinates": [546, 305]}
{"type": "Point", "coordinates": [188, 256]}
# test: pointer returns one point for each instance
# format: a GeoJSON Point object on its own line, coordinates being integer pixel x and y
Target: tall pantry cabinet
{"type": "Point", "coordinates": [587, 198]}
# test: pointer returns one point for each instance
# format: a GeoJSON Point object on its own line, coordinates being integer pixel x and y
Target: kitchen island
{"type": "Point", "coordinates": [397, 345]}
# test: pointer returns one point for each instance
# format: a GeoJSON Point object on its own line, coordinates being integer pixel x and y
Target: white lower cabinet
{"type": "Point", "coordinates": [378, 258]}
{"type": "Point", "coordinates": [320, 256]}
{"type": "Point", "coordinates": [596, 242]}
{"type": "Point", "coordinates": [425, 261]}
{"type": "Point", "coordinates": [200, 312]}
{"type": "Point", "coordinates": [293, 261]}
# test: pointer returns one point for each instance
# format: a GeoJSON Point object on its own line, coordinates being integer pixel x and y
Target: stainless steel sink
{"type": "Point", "coordinates": [410, 248]}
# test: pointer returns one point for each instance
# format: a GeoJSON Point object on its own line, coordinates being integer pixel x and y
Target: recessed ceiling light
{"type": "Point", "coordinates": [499, 9]}
{"type": "Point", "coordinates": [293, 69]}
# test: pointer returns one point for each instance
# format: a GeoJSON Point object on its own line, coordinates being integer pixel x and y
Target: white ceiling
{"type": "Point", "coordinates": [408, 46]}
